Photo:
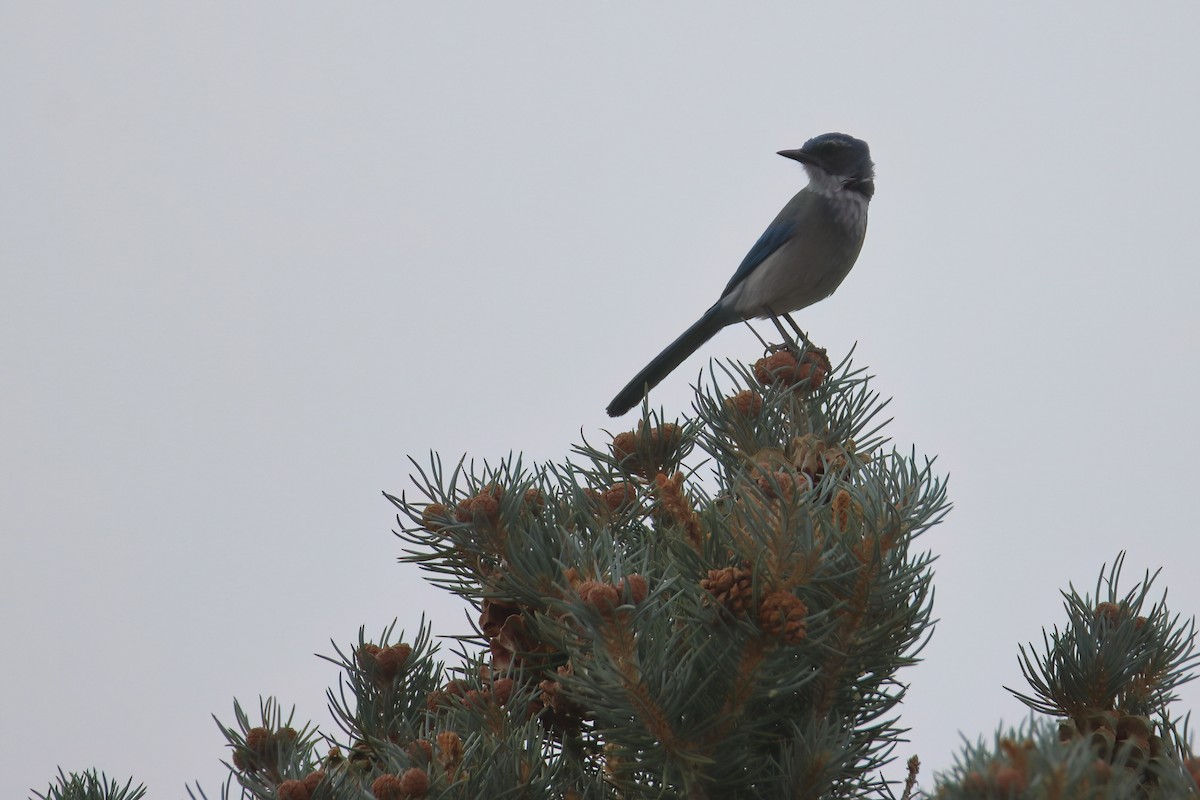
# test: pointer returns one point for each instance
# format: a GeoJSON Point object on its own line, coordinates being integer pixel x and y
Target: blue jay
{"type": "Point", "coordinates": [801, 258]}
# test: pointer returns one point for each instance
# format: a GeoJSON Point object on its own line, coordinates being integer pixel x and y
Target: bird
{"type": "Point", "coordinates": [801, 258]}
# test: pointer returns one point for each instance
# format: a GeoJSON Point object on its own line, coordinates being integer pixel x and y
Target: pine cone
{"type": "Point", "coordinates": [1115, 735]}
{"type": "Point", "coordinates": [783, 614]}
{"type": "Point", "coordinates": [781, 367]}
{"type": "Point", "coordinates": [746, 402]}
{"type": "Point", "coordinates": [647, 452]}
{"type": "Point", "coordinates": [731, 587]}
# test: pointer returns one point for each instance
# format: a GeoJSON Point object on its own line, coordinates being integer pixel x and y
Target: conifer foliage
{"type": "Point", "coordinates": [714, 607]}
{"type": "Point", "coordinates": [1105, 684]}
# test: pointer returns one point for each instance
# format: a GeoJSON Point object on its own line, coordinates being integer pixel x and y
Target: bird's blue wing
{"type": "Point", "coordinates": [772, 239]}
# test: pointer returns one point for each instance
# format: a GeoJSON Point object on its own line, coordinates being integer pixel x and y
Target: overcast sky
{"type": "Point", "coordinates": [254, 255]}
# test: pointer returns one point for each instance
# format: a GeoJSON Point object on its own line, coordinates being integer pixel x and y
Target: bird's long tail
{"type": "Point", "coordinates": [677, 351]}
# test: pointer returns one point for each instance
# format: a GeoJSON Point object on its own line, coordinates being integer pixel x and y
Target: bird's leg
{"type": "Point", "coordinates": [800, 333]}
{"type": "Point", "coordinates": [789, 342]}
{"type": "Point", "coordinates": [761, 340]}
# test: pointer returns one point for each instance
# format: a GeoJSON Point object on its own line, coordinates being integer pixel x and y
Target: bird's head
{"type": "Point", "coordinates": [837, 159]}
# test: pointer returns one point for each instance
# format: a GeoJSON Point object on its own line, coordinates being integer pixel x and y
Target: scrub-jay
{"type": "Point", "coordinates": [800, 259]}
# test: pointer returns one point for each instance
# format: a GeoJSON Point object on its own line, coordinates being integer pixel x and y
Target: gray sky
{"type": "Point", "coordinates": [255, 254]}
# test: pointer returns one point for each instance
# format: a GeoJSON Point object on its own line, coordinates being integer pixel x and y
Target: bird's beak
{"type": "Point", "coordinates": [801, 155]}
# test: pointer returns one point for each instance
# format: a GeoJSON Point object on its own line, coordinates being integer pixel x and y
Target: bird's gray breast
{"type": "Point", "coordinates": [811, 264]}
